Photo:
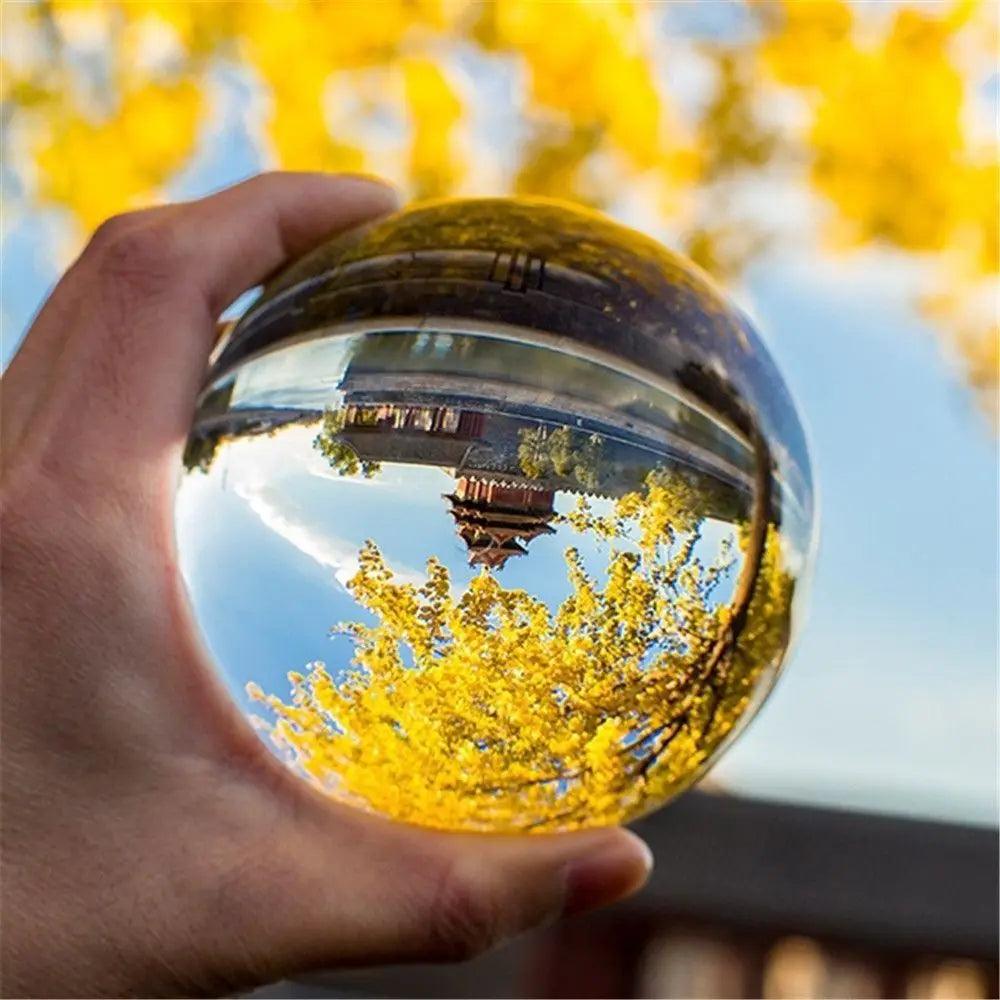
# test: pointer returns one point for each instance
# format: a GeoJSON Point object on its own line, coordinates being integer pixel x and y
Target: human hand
{"type": "Point", "coordinates": [151, 843]}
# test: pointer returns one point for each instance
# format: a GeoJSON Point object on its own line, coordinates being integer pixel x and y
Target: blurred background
{"type": "Point", "coordinates": [834, 164]}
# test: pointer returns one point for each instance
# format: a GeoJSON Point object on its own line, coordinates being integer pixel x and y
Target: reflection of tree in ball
{"type": "Point", "coordinates": [565, 497]}
{"type": "Point", "coordinates": [338, 453]}
{"type": "Point", "coordinates": [514, 716]}
{"type": "Point", "coordinates": [562, 452]}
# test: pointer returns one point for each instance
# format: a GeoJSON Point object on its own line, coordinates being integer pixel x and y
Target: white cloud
{"type": "Point", "coordinates": [336, 553]}
{"type": "Point", "coordinates": [270, 476]}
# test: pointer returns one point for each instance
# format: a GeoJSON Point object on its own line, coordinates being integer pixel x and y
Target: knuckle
{"type": "Point", "coordinates": [138, 251]}
{"type": "Point", "coordinates": [111, 230]}
{"type": "Point", "coordinates": [266, 179]}
{"type": "Point", "coordinates": [466, 917]}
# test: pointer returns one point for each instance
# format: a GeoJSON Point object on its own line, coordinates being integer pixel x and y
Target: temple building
{"type": "Point", "coordinates": [450, 420]}
{"type": "Point", "coordinates": [496, 512]}
{"type": "Point", "coordinates": [390, 431]}
{"type": "Point", "coordinates": [498, 509]}
{"type": "Point", "coordinates": [494, 518]}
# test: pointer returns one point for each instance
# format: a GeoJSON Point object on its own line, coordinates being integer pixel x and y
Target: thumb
{"type": "Point", "coordinates": [354, 889]}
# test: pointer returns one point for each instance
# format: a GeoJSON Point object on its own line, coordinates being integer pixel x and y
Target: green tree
{"type": "Point", "coordinates": [560, 451]}
{"type": "Point", "coordinates": [341, 456]}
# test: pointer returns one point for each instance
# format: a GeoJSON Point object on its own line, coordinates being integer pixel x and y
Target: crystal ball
{"type": "Point", "coordinates": [496, 515]}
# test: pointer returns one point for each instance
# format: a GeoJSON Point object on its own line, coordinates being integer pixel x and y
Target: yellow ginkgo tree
{"type": "Point", "coordinates": [486, 708]}
{"type": "Point", "coordinates": [873, 108]}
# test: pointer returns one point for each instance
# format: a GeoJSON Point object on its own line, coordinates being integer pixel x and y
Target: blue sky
{"type": "Point", "coordinates": [889, 701]}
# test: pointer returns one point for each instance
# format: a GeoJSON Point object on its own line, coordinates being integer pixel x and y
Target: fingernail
{"type": "Point", "coordinates": [607, 875]}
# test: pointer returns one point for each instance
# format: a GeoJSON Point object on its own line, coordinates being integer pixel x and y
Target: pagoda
{"type": "Point", "coordinates": [494, 517]}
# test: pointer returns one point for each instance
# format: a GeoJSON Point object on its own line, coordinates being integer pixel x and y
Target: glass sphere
{"type": "Point", "coordinates": [495, 515]}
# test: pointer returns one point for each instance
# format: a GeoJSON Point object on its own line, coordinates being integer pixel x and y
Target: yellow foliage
{"type": "Point", "coordinates": [812, 41]}
{"type": "Point", "coordinates": [591, 62]}
{"type": "Point", "coordinates": [886, 139]}
{"type": "Point", "coordinates": [669, 506]}
{"type": "Point", "coordinates": [200, 27]}
{"type": "Point", "coordinates": [435, 109]}
{"type": "Point", "coordinates": [890, 148]}
{"type": "Point", "coordinates": [295, 36]}
{"type": "Point", "coordinates": [102, 167]}
{"type": "Point", "coordinates": [294, 49]}
{"type": "Point", "coordinates": [485, 709]}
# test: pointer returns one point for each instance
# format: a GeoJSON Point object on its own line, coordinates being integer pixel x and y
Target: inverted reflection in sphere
{"type": "Point", "coordinates": [494, 516]}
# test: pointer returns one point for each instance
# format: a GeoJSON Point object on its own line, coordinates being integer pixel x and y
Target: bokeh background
{"type": "Point", "coordinates": [832, 163]}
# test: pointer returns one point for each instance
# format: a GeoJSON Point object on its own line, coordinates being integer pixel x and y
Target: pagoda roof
{"type": "Point", "coordinates": [462, 510]}
{"type": "Point", "coordinates": [493, 532]}
{"type": "Point", "coordinates": [483, 538]}
{"type": "Point", "coordinates": [493, 556]}
{"type": "Point", "coordinates": [498, 534]}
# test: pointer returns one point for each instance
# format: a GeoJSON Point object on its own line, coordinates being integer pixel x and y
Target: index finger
{"type": "Point", "coordinates": [243, 234]}
{"type": "Point", "coordinates": [148, 289]}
